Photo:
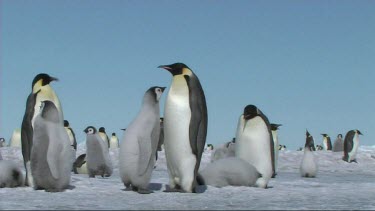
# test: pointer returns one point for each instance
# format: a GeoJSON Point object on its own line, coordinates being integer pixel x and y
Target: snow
{"type": "Point", "coordinates": [339, 185]}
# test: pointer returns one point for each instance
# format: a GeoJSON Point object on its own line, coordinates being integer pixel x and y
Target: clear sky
{"type": "Point", "coordinates": [305, 64]}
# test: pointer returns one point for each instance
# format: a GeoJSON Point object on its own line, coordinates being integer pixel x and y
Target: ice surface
{"type": "Point", "coordinates": [338, 185]}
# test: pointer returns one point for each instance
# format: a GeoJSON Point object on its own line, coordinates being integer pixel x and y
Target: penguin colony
{"type": "Point", "coordinates": [249, 159]}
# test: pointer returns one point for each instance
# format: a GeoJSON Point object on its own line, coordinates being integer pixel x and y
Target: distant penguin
{"type": "Point", "coordinates": [327, 144]}
{"type": "Point", "coordinates": [80, 165]}
{"type": "Point", "coordinates": [210, 147]}
{"type": "Point", "coordinates": [185, 127]}
{"type": "Point", "coordinates": [308, 167]}
{"type": "Point", "coordinates": [104, 136]}
{"type": "Point", "coordinates": [2, 142]}
{"type": "Point", "coordinates": [319, 147]}
{"type": "Point", "coordinates": [254, 143]}
{"type": "Point", "coordinates": [15, 140]}
{"type": "Point", "coordinates": [223, 151]}
{"type": "Point", "coordinates": [10, 174]}
{"type": "Point", "coordinates": [71, 134]}
{"type": "Point", "coordinates": [274, 128]}
{"type": "Point", "coordinates": [41, 91]}
{"type": "Point", "coordinates": [97, 154]}
{"type": "Point", "coordinates": [351, 144]}
{"type": "Point", "coordinates": [140, 142]}
{"type": "Point", "coordinates": [113, 142]}
{"type": "Point", "coordinates": [231, 171]}
{"type": "Point", "coordinates": [51, 154]}
{"type": "Point", "coordinates": [338, 145]}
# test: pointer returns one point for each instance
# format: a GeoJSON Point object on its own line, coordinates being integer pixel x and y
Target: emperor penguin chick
{"type": "Point", "coordinates": [140, 142]}
{"type": "Point", "coordinates": [308, 167]}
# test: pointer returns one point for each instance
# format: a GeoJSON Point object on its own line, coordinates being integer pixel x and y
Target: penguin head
{"type": "Point", "coordinates": [309, 141]}
{"type": "Point", "coordinates": [90, 130]}
{"type": "Point", "coordinates": [250, 112]}
{"type": "Point", "coordinates": [161, 119]}
{"type": "Point", "coordinates": [102, 129]}
{"type": "Point", "coordinates": [358, 132]}
{"type": "Point", "coordinates": [275, 126]}
{"type": "Point", "coordinates": [113, 134]}
{"type": "Point", "coordinates": [49, 111]}
{"type": "Point", "coordinates": [156, 92]}
{"type": "Point", "coordinates": [339, 136]}
{"type": "Point", "coordinates": [324, 135]}
{"type": "Point", "coordinates": [177, 69]}
{"type": "Point", "coordinates": [40, 80]}
{"type": "Point", "coordinates": [66, 123]}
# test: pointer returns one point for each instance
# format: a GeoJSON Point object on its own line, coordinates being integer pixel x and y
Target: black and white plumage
{"type": "Point", "coordinates": [51, 155]}
{"type": "Point", "coordinates": [327, 144]}
{"type": "Point", "coordinates": [338, 145]}
{"type": "Point", "coordinates": [185, 127]}
{"type": "Point", "coordinates": [274, 128]}
{"type": "Point", "coordinates": [308, 167]}
{"type": "Point", "coordinates": [114, 142]}
{"type": "Point", "coordinates": [97, 154]}
{"type": "Point", "coordinates": [80, 165]}
{"type": "Point", "coordinates": [140, 142]}
{"type": "Point", "coordinates": [104, 136]}
{"type": "Point", "coordinates": [41, 91]}
{"type": "Point", "coordinates": [351, 144]}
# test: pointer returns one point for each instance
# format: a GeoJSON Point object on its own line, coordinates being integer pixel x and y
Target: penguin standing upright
{"type": "Point", "coordinates": [327, 144]}
{"type": "Point", "coordinates": [15, 140]}
{"type": "Point", "coordinates": [97, 154]}
{"type": "Point", "coordinates": [185, 127]}
{"type": "Point", "coordinates": [51, 154]}
{"type": "Point", "coordinates": [338, 145]}
{"type": "Point", "coordinates": [72, 139]}
{"type": "Point", "coordinates": [41, 91]}
{"type": "Point", "coordinates": [113, 143]}
{"type": "Point", "coordinates": [254, 143]}
{"type": "Point", "coordinates": [104, 136]}
{"type": "Point", "coordinates": [274, 128]}
{"type": "Point", "coordinates": [140, 142]}
{"type": "Point", "coordinates": [351, 143]}
{"type": "Point", "coordinates": [308, 167]}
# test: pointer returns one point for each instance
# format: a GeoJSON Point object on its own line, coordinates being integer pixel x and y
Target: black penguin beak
{"type": "Point", "coordinates": [123, 129]}
{"type": "Point", "coordinates": [53, 79]}
{"type": "Point", "coordinates": [166, 67]}
{"type": "Point", "coordinates": [163, 88]}
{"type": "Point", "coordinates": [359, 132]}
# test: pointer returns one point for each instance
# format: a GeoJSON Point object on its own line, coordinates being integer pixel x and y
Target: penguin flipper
{"type": "Point", "coordinates": [27, 128]}
{"type": "Point", "coordinates": [144, 157]}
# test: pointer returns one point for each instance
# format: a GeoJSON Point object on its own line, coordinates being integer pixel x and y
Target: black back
{"type": "Point", "coordinates": [348, 144]}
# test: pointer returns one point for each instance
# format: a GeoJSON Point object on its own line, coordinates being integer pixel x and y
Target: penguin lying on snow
{"type": "Point", "coordinates": [308, 167]}
{"type": "Point", "coordinates": [10, 174]}
{"type": "Point", "coordinates": [80, 165]}
{"type": "Point", "coordinates": [229, 171]}
{"type": "Point", "coordinates": [223, 151]}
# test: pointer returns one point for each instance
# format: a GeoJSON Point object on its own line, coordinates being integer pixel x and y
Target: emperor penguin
{"type": "Point", "coordinates": [274, 128]}
{"type": "Point", "coordinates": [210, 147]}
{"type": "Point", "coordinates": [223, 151]}
{"type": "Point", "coordinates": [140, 142]}
{"type": "Point", "coordinates": [80, 165]}
{"type": "Point", "coordinates": [97, 154]}
{"type": "Point", "coordinates": [51, 154]}
{"type": "Point", "coordinates": [185, 127]}
{"type": "Point", "coordinates": [2, 142]}
{"type": "Point", "coordinates": [254, 143]}
{"type": "Point", "coordinates": [10, 174]}
{"type": "Point", "coordinates": [104, 136]}
{"type": "Point", "coordinates": [15, 140]}
{"type": "Point", "coordinates": [327, 144]}
{"type": "Point", "coordinates": [351, 143]}
{"type": "Point", "coordinates": [338, 145]}
{"type": "Point", "coordinates": [231, 171]}
{"type": "Point", "coordinates": [72, 138]}
{"type": "Point", "coordinates": [308, 167]}
{"type": "Point", "coordinates": [41, 91]}
{"type": "Point", "coordinates": [114, 143]}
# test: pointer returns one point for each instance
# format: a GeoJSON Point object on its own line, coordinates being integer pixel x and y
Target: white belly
{"type": "Point", "coordinates": [275, 147]}
{"type": "Point", "coordinates": [177, 116]}
{"type": "Point", "coordinates": [353, 153]}
{"type": "Point", "coordinates": [253, 145]}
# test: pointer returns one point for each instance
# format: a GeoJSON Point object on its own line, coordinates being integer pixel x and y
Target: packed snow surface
{"type": "Point", "coordinates": [339, 185]}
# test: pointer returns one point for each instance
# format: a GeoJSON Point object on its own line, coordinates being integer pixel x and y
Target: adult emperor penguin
{"type": "Point", "coordinates": [351, 143]}
{"type": "Point", "coordinates": [15, 140]}
{"type": "Point", "coordinates": [185, 127]}
{"type": "Point", "coordinates": [41, 91]}
{"type": "Point", "coordinates": [308, 167]}
{"type": "Point", "coordinates": [113, 142]}
{"type": "Point", "coordinates": [254, 143]}
{"type": "Point", "coordinates": [231, 171]}
{"type": "Point", "coordinates": [97, 154]}
{"type": "Point", "coordinates": [140, 142]}
{"type": "Point", "coordinates": [51, 154]}
{"type": "Point", "coordinates": [104, 136]}
{"type": "Point", "coordinates": [274, 128]}
{"type": "Point", "coordinates": [327, 144]}
{"type": "Point", "coordinates": [338, 145]}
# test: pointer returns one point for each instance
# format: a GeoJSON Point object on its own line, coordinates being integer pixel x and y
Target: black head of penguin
{"type": "Point", "coordinates": [49, 111]}
{"type": "Point", "coordinates": [359, 132]}
{"type": "Point", "coordinates": [66, 123]}
{"type": "Point", "coordinates": [339, 136]}
{"type": "Point", "coordinates": [250, 112]}
{"type": "Point", "coordinates": [324, 135]}
{"type": "Point", "coordinates": [175, 69]}
{"type": "Point", "coordinates": [102, 129]}
{"type": "Point", "coordinates": [113, 134]}
{"type": "Point", "coordinates": [275, 126]}
{"type": "Point", "coordinates": [45, 79]}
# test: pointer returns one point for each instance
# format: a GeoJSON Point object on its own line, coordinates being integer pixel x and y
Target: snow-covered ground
{"type": "Point", "coordinates": [338, 185]}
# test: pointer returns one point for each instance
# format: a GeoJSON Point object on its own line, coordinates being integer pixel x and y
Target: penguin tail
{"type": "Point", "coordinates": [200, 180]}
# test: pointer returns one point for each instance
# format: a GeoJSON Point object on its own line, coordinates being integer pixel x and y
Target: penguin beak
{"type": "Point", "coordinates": [359, 132]}
{"type": "Point", "coordinates": [53, 79]}
{"type": "Point", "coordinates": [163, 88]}
{"type": "Point", "coordinates": [165, 67]}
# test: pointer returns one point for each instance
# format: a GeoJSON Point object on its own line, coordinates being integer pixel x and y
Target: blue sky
{"type": "Point", "coordinates": [305, 64]}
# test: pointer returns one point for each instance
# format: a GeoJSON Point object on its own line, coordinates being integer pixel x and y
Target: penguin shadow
{"type": "Point", "coordinates": [198, 189]}
{"type": "Point", "coordinates": [155, 186]}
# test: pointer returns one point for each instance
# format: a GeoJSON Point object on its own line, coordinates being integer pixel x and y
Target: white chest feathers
{"type": "Point", "coordinates": [309, 167]}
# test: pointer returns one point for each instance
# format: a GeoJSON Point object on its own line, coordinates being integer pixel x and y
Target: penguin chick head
{"type": "Point", "coordinates": [66, 123]}
{"type": "Point", "coordinates": [339, 135]}
{"type": "Point", "coordinates": [102, 129]}
{"type": "Point", "coordinates": [40, 80]}
{"type": "Point", "coordinates": [49, 111]}
{"type": "Point", "coordinates": [250, 112]}
{"type": "Point", "coordinates": [177, 69]}
{"type": "Point", "coordinates": [90, 130]}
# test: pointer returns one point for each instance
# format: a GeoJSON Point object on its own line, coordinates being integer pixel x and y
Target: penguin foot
{"type": "Point", "coordinates": [144, 191]}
